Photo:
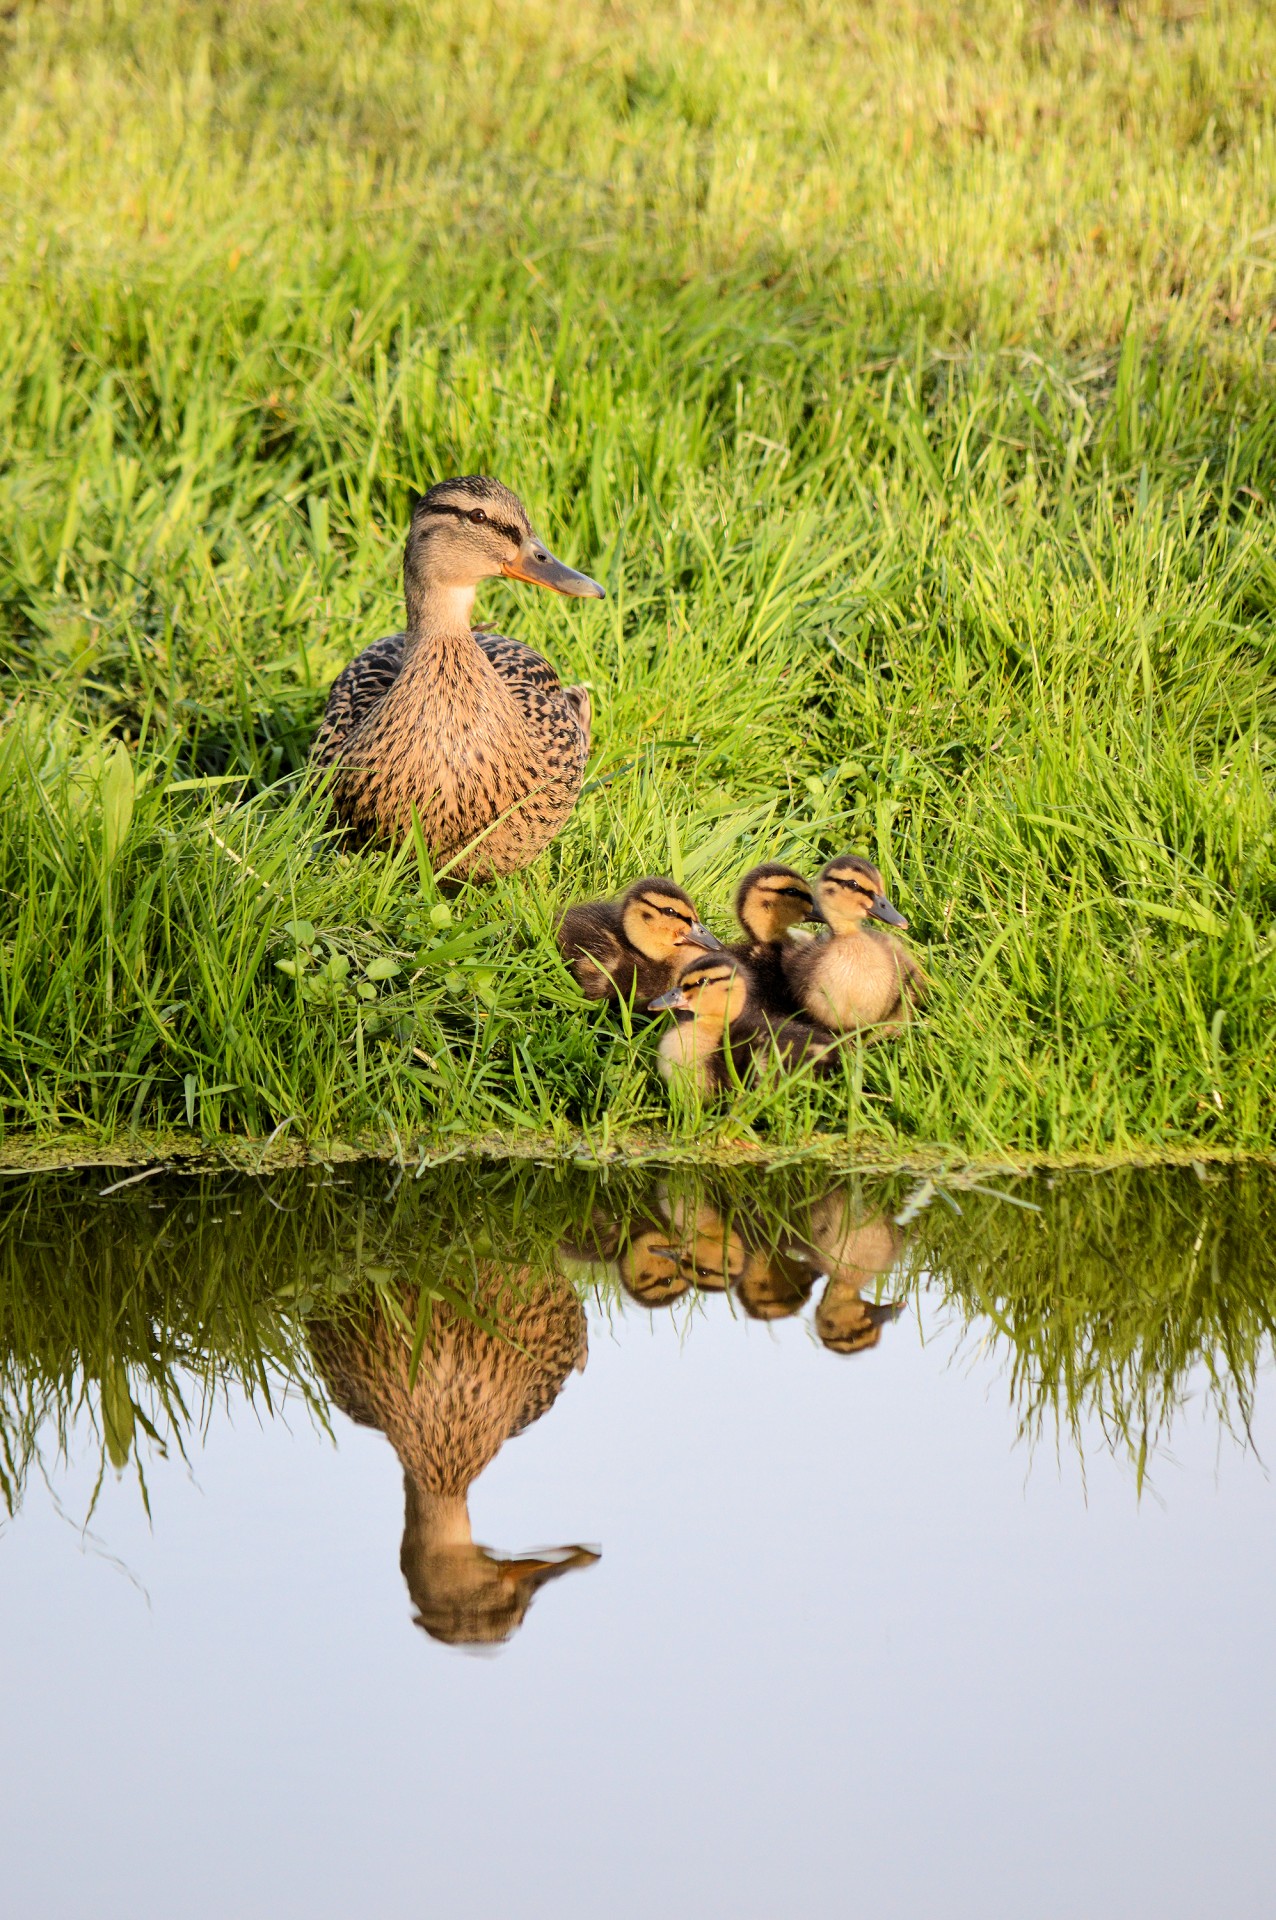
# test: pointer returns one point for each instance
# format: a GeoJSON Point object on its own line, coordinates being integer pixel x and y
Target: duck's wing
{"type": "Point", "coordinates": [535, 684]}
{"type": "Point", "coordinates": [355, 692]}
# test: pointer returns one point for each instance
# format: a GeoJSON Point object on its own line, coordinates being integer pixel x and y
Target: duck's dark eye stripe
{"type": "Point", "coordinates": [463, 513]}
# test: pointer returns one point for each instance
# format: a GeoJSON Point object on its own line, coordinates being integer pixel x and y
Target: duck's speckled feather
{"type": "Point", "coordinates": [508, 744]}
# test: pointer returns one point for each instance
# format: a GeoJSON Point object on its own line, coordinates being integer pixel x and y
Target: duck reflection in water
{"type": "Point", "coordinates": [473, 1390]}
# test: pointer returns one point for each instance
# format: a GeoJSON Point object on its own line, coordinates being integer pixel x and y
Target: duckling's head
{"type": "Point", "coordinates": [847, 1323]}
{"type": "Point", "coordinates": [473, 529]}
{"type": "Point", "coordinates": [771, 899]}
{"type": "Point", "coordinates": [773, 1286]}
{"type": "Point", "coordinates": [658, 920]}
{"type": "Point", "coordinates": [649, 1266]}
{"type": "Point", "coordinates": [849, 891]}
{"type": "Point", "coordinates": [714, 990]}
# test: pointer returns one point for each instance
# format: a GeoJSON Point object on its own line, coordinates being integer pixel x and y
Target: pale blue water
{"type": "Point", "coordinates": [850, 1647]}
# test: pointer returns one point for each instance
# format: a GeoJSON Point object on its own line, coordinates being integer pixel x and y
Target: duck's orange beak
{"type": "Point", "coordinates": [537, 565]}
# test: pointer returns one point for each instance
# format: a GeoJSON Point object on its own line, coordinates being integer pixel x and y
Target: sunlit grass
{"type": "Point", "coordinates": [906, 376]}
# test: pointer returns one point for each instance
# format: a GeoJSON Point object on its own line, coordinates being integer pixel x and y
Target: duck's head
{"type": "Point", "coordinates": [658, 919]}
{"type": "Point", "coordinates": [848, 891]}
{"type": "Point", "coordinates": [473, 529]}
{"type": "Point", "coordinates": [714, 990]}
{"type": "Point", "coordinates": [771, 899]}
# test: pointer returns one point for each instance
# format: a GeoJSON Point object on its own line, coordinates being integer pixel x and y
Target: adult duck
{"type": "Point", "coordinates": [471, 733]}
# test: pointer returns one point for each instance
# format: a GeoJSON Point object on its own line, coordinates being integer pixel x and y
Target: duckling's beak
{"type": "Point", "coordinates": [537, 565]}
{"type": "Point", "coordinates": [674, 998]}
{"type": "Point", "coordinates": [816, 912]}
{"type": "Point", "coordinates": [882, 909]}
{"type": "Point", "coordinates": [698, 936]}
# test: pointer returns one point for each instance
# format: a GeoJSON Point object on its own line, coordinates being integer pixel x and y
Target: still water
{"type": "Point", "coordinates": [548, 1543]}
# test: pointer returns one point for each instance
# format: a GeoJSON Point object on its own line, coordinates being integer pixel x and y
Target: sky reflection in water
{"type": "Point", "coordinates": [853, 1635]}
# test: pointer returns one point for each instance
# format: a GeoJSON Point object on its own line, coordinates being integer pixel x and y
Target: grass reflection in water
{"type": "Point", "coordinates": [448, 1312]}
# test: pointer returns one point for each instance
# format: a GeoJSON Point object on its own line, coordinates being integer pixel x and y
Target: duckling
{"type": "Point", "coordinates": [470, 732]}
{"type": "Point", "coordinates": [853, 977]}
{"type": "Point", "coordinates": [769, 901]}
{"type": "Point", "coordinates": [720, 1035]}
{"type": "Point", "coordinates": [633, 948]}
{"type": "Point", "coordinates": [773, 1285]}
{"type": "Point", "coordinates": [649, 1268]}
{"type": "Point", "coordinates": [710, 1250]}
{"type": "Point", "coordinates": [847, 1323]}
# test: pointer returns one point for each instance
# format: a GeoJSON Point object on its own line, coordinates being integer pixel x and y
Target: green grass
{"type": "Point", "coordinates": [905, 373]}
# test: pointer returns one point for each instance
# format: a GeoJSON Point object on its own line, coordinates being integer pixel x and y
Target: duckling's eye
{"type": "Point", "coordinates": [478, 516]}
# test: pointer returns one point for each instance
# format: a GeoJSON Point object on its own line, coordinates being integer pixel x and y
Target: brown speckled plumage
{"type": "Point", "coordinates": [472, 731]}
{"type": "Point", "coordinates": [473, 1390]}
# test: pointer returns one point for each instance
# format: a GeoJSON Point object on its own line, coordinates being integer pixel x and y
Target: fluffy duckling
{"type": "Point", "coordinates": [471, 733]}
{"type": "Point", "coordinates": [854, 977]}
{"type": "Point", "coordinates": [633, 948]}
{"type": "Point", "coordinates": [710, 1250]}
{"type": "Point", "coordinates": [770, 900]}
{"type": "Point", "coordinates": [719, 1035]}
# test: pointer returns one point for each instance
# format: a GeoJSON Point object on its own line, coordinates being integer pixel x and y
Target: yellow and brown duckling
{"type": "Point", "coordinates": [720, 1035]}
{"type": "Point", "coordinates": [853, 1248]}
{"type": "Point", "coordinates": [634, 948]}
{"type": "Point", "coordinates": [649, 1268]}
{"type": "Point", "coordinates": [854, 977]}
{"type": "Point", "coordinates": [774, 1285]}
{"type": "Point", "coordinates": [770, 901]}
{"type": "Point", "coordinates": [470, 732]}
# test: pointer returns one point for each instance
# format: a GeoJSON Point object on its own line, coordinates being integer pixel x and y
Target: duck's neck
{"type": "Point", "coordinates": [438, 621]}
{"type": "Point", "coordinates": [434, 1521]}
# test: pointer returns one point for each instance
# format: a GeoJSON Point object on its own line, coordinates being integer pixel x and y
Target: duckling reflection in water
{"type": "Point", "coordinates": [649, 1267]}
{"type": "Point", "coordinates": [473, 1389]}
{"type": "Point", "coordinates": [773, 1285]}
{"type": "Point", "coordinates": [852, 1248]}
{"type": "Point", "coordinates": [710, 1251]}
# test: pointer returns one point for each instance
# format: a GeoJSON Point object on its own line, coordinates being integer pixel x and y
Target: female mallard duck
{"type": "Point", "coordinates": [633, 948]}
{"type": "Point", "coordinates": [470, 732]}
{"type": "Point", "coordinates": [447, 1418]}
{"type": "Point", "coordinates": [770, 900]}
{"type": "Point", "coordinates": [853, 976]}
{"type": "Point", "coordinates": [720, 1035]}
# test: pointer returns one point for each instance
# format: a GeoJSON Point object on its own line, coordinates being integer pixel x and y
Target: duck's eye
{"type": "Point", "coordinates": [478, 516]}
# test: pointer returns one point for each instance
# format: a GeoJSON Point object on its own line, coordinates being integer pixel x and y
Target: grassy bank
{"type": "Point", "coordinates": [905, 373]}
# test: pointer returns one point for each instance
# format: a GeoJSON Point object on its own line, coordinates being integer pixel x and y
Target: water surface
{"type": "Point", "coordinates": [552, 1543]}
